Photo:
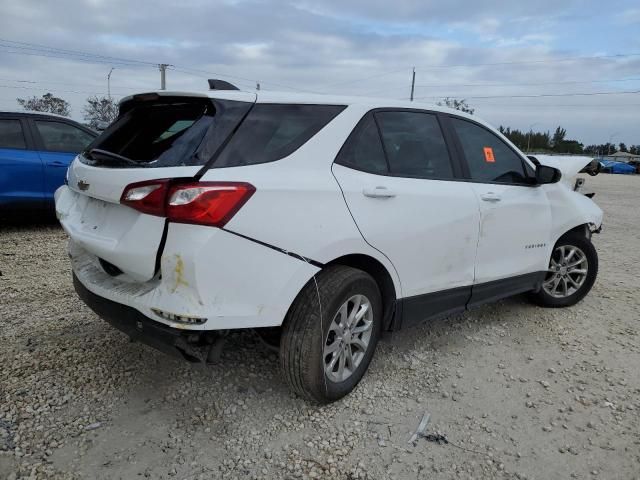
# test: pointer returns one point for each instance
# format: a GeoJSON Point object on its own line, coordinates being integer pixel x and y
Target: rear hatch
{"type": "Point", "coordinates": [155, 137]}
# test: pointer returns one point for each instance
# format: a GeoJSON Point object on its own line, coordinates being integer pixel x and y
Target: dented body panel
{"type": "Point", "coordinates": [230, 281]}
{"type": "Point", "coordinates": [89, 210]}
{"type": "Point", "coordinates": [570, 209]}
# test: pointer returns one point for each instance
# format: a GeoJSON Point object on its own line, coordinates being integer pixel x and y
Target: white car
{"type": "Point", "coordinates": [327, 220]}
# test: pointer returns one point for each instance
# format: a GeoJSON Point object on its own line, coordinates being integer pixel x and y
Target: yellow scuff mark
{"type": "Point", "coordinates": [179, 274]}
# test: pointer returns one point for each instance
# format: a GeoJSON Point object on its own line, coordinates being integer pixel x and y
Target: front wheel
{"type": "Point", "coordinates": [572, 271]}
{"type": "Point", "coordinates": [330, 333]}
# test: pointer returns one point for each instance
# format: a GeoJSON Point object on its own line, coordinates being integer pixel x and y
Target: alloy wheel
{"type": "Point", "coordinates": [567, 271]}
{"type": "Point", "coordinates": [348, 338]}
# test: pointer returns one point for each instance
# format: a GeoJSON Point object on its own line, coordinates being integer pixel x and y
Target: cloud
{"type": "Point", "coordinates": [629, 17]}
{"type": "Point", "coordinates": [354, 47]}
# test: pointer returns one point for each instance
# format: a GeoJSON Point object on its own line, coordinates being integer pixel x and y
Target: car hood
{"type": "Point", "coordinates": [569, 166]}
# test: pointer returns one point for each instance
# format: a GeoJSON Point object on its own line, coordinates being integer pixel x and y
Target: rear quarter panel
{"type": "Point", "coordinates": [298, 205]}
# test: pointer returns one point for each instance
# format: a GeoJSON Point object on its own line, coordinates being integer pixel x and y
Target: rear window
{"type": "Point", "coordinates": [274, 131]}
{"type": "Point", "coordinates": [171, 132]}
{"type": "Point", "coordinates": [62, 137]}
{"type": "Point", "coordinates": [11, 134]}
{"type": "Point", "coordinates": [186, 132]}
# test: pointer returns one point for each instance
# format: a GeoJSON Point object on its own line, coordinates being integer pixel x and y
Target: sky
{"type": "Point", "coordinates": [527, 65]}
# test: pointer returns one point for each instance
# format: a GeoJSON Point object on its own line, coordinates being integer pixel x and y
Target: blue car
{"type": "Point", "coordinates": [35, 151]}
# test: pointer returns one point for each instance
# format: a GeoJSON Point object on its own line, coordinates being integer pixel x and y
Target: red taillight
{"type": "Point", "coordinates": [202, 203]}
{"type": "Point", "coordinates": [207, 203]}
{"type": "Point", "coordinates": [147, 197]}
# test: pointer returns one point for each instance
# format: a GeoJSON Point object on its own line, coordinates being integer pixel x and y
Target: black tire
{"type": "Point", "coordinates": [576, 239]}
{"type": "Point", "coordinates": [305, 331]}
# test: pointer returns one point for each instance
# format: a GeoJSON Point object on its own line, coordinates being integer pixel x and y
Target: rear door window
{"type": "Point", "coordinates": [274, 131]}
{"type": "Point", "coordinates": [490, 160]}
{"type": "Point", "coordinates": [414, 145]}
{"type": "Point", "coordinates": [363, 149]}
{"type": "Point", "coordinates": [62, 137]}
{"type": "Point", "coordinates": [11, 135]}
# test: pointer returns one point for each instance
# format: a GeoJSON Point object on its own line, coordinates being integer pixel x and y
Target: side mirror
{"type": "Point", "coordinates": [546, 174]}
{"type": "Point", "coordinates": [593, 168]}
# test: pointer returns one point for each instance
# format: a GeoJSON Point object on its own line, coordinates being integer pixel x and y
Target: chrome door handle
{"type": "Point", "coordinates": [378, 192]}
{"type": "Point", "coordinates": [490, 197]}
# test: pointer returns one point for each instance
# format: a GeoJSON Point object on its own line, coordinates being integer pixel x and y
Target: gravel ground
{"type": "Point", "coordinates": [519, 391]}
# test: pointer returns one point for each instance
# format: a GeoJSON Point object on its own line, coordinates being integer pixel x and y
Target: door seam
{"type": "Point", "coordinates": [362, 235]}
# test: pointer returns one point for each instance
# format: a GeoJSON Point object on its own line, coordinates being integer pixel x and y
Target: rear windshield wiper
{"type": "Point", "coordinates": [115, 156]}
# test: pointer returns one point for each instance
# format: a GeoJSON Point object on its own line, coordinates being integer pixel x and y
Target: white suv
{"type": "Point", "coordinates": [329, 219]}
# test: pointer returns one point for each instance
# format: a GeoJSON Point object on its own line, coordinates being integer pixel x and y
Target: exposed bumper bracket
{"type": "Point", "coordinates": [191, 345]}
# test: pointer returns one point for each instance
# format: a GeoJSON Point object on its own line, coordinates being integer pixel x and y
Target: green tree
{"type": "Point", "coordinates": [591, 150]}
{"type": "Point", "coordinates": [47, 103]}
{"type": "Point", "coordinates": [623, 147]}
{"type": "Point", "coordinates": [558, 138]}
{"type": "Point", "coordinates": [100, 111]}
{"type": "Point", "coordinates": [534, 141]}
{"type": "Point", "coordinates": [456, 104]}
{"type": "Point", "coordinates": [572, 146]}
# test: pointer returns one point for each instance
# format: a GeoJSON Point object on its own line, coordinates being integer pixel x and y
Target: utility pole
{"type": "Point", "coordinates": [163, 75]}
{"type": "Point", "coordinates": [109, 82]}
{"type": "Point", "coordinates": [413, 82]}
{"type": "Point", "coordinates": [609, 142]}
{"type": "Point", "coordinates": [529, 136]}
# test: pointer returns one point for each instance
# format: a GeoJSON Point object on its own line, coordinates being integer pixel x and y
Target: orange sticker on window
{"type": "Point", "coordinates": [488, 155]}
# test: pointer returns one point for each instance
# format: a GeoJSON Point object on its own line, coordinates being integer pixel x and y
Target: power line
{"type": "Point", "coordinates": [48, 52]}
{"type": "Point", "coordinates": [184, 70]}
{"type": "Point", "coordinates": [541, 95]}
{"type": "Point", "coordinates": [34, 49]}
{"type": "Point", "coordinates": [189, 70]}
{"type": "Point", "coordinates": [26, 48]}
{"type": "Point", "coordinates": [554, 105]}
{"type": "Point", "coordinates": [567, 82]}
{"type": "Point", "coordinates": [20, 87]}
{"type": "Point", "coordinates": [205, 72]}
{"type": "Point", "coordinates": [77, 59]}
{"type": "Point", "coordinates": [65, 83]}
{"type": "Point", "coordinates": [45, 48]}
{"type": "Point", "coordinates": [363, 79]}
{"type": "Point", "coordinates": [541, 61]}
{"type": "Point", "coordinates": [523, 62]}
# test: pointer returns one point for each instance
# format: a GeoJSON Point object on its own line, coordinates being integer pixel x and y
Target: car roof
{"type": "Point", "coordinates": [34, 113]}
{"type": "Point", "coordinates": [268, 96]}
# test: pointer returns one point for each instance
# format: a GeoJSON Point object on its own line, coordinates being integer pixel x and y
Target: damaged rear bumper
{"type": "Point", "coordinates": [209, 279]}
{"type": "Point", "coordinates": [193, 346]}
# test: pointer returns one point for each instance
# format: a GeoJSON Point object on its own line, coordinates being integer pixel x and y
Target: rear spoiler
{"type": "Point", "coordinates": [215, 84]}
